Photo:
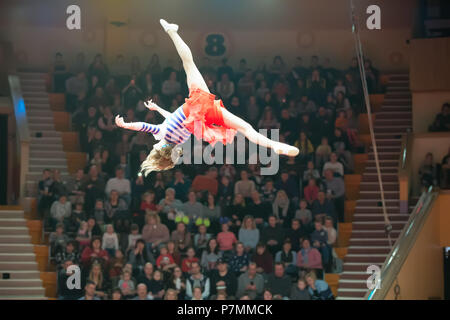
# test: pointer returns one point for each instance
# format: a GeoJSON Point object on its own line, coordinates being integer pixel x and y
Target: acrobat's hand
{"type": "Point", "coordinates": [119, 122]}
{"type": "Point", "coordinates": [151, 105]}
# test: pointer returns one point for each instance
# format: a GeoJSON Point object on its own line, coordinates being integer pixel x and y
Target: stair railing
{"type": "Point", "coordinates": [384, 281]}
{"type": "Point", "coordinates": [23, 133]}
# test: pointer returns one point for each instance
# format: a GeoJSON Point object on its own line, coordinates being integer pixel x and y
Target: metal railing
{"type": "Point", "coordinates": [403, 246]}
{"type": "Point", "coordinates": [23, 133]}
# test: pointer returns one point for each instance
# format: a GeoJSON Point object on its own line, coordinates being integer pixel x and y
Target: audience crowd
{"type": "Point", "coordinates": [203, 231]}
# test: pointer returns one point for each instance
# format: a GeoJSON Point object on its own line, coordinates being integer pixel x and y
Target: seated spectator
{"type": "Point", "coordinates": [335, 187]}
{"type": "Point", "coordinates": [101, 280]}
{"type": "Point", "coordinates": [306, 148]}
{"type": "Point", "coordinates": [142, 293]}
{"type": "Point", "coordinates": [308, 257]}
{"type": "Point", "coordinates": [177, 283]}
{"type": "Point", "coordinates": [127, 285]}
{"type": "Point", "coordinates": [116, 209]}
{"type": "Point", "coordinates": [154, 232]}
{"type": "Point", "coordinates": [58, 239]}
{"type": "Point", "coordinates": [73, 186]}
{"type": "Point", "coordinates": [268, 191]}
{"type": "Point", "coordinates": [192, 208]}
{"type": "Point", "coordinates": [341, 147]}
{"type": "Point", "coordinates": [323, 152]}
{"type": "Point", "coordinates": [287, 257]}
{"type": "Point", "coordinates": [428, 172]}
{"type": "Point", "coordinates": [288, 184]}
{"type": "Point", "coordinates": [311, 191]}
{"type": "Point", "coordinates": [268, 120]}
{"type": "Point", "coordinates": [45, 198]}
{"type": "Point", "coordinates": [310, 172]}
{"type": "Point", "coordinates": [442, 120]}
{"type": "Point", "coordinates": [93, 187]}
{"type": "Point", "coordinates": [331, 231]}
{"type": "Point", "coordinates": [210, 255]}
{"type": "Point", "coordinates": [169, 205]}
{"type": "Point", "coordinates": [206, 182]}
{"type": "Point", "coordinates": [156, 286]}
{"type": "Point", "coordinates": [69, 253]}
{"type": "Point", "coordinates": [190, 258]}
{"type": "Point", "coordinates": [181, 185]}
{"type": "Point", "coordinates": [201, 238]}
{"type": "Point", "coordinates": [181, 233]}
{"type": "Point", "coordinates": [259, 210]}
{"type": "Point", "coordinates": [139, 257]}
{"type": "Point", "coordinates": [94, 253]}
{"type": "Point", "coordinates": [282, 208]}
{"type": "Point", "coordinates": [78, 215]}
{"type": "Point", "coordinates": [223, 279]}
{"type": "Point", "coordinates": [239, 260]}
{"type": "Point", "coordinates": [279, 283]}
{"type": "Point", "coordinates": [146, 275]}
{"type": "Point", "coordinates": [226, 239]}
{"type": "Point", "coordinates": [225, 87]}
{"type": "Point", "coordinates": [263, 259]}
{"type": "Point", "coordinates": [60, 212]}
{"type": "Point", "coordinates": [197, 280]}
{"type": "Point", "coordinates": [334, 165]}
{"type": "Point", "coordinates": [318, 289]}
{"type": "Point", "coordinates": [300, 291]}
{"type": "Point", "coordinates": [297, 232]}
{"type": "Point", "coordinates": [272, 235]}
{"type": "Point", "coordinates": [120, 184]}
{"type": "Point", "coordinates": [249, 234]}
{"type": "Point", "coordinates": [250, 283]}
{"type": "Point", "coordinates": [110, 241]}
{"type": "Point", "coordinates": [342, 103]}
{"type": "Point", "coordinates": [319, 239]}
{"type": "Point", "coordinates": [89, 292]}
{"type": "Point", "coordinates": [99, 212]}
{"type": "Point", "coordinates": [116, 266]}
{"type": "Point", "coordinates": [211, 210]}
{"type": "Point", "coordinates": [244, 186]}
{"type": "Point", "coordinates": [236, 212]}
{"type": "Point", "coordinates": [322, 207]}
{"type": "Point", "coordinates": [83, 237]}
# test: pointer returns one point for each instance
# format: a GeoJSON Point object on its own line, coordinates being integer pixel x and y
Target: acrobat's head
{"type": "Point", "coordinates": [163, 156]}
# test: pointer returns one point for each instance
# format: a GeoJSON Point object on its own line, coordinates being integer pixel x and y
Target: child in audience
{"type": "Point", "coordinates": [83, 235]}
{"type": "Point", "coordinates": [165, 259]}
{"type": "Point", "coordinates": [58, 239]}
{"type": "Point", "coordinates": [127, 285]}
{"type": "Point", "coordinates": [201, 238]}
{"type": "Point", "coordinates": [186, 264]}
{"type": "Point", "coordinates": [110, 240]}
{"type": "Point", "coordinates": [226, 239]}
{"type": "Point", "coordinates": [156, 286]}
{"type": "Point", "coordinates": [133, 237]}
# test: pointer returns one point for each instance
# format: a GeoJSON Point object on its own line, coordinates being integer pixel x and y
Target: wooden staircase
{"type": "Point", "coordinates": [19, 268]}
{"type": "Point", "coordinates": [368, 243]}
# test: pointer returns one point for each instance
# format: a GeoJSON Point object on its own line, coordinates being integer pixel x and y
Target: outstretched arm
{"type": "Point", "coordinates": [137, 126]}
{"type": "Point", "coordinates": [153, 106]}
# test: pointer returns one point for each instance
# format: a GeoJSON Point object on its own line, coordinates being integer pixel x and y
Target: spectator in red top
{"type": "Point", "coordinates": [148, 201]}
{"type": "Point", "coordinates": [94, 252]}
{"type": "Point", "coordinates": [187, 262]}
{"type": "Point", "coordinates": [226, 238]}
{"type": "Point", "coordinates": [165, 260]}
{"type": "Point", "coordinates": [206, 182]}
{"type": "Point", "coordinates": [263, 259]}
{"type": "Point", "coordinates": [311, 191]}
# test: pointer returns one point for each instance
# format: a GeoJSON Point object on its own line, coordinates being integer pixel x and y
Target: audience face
{"type": "Point", "coordinates": [90, 290]}
{"type": "Point", "coordinates": [321, 196]}
{"type": "Point", "coordinates": [142, 291]}
{"type": "Point", "coordinates": [295, 224]}
{"type": "Point", "coordinates": [306, 244]}
{"type": "Point", "coordinates": [279, 270]}
{"type": "Point", "coordinates": [272, 222]}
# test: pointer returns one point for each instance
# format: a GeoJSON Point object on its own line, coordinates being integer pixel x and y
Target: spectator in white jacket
{"type": "Point", "coordinates": [120, 184]}
{"type": "Point", "coordinates": [60, 211]}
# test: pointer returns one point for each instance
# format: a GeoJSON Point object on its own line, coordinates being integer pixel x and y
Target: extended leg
{"type": "Point", "coordinates": [251, 134]}
{"type": "Point", "coordinates": [193, 75]}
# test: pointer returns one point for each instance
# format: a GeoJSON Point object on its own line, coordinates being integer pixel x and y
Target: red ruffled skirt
{"type": "Point", "coordinates": [204, 117]}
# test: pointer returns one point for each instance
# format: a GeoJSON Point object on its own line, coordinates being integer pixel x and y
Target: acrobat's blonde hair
{"type": "Point", "coordinates": [161, 159]}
